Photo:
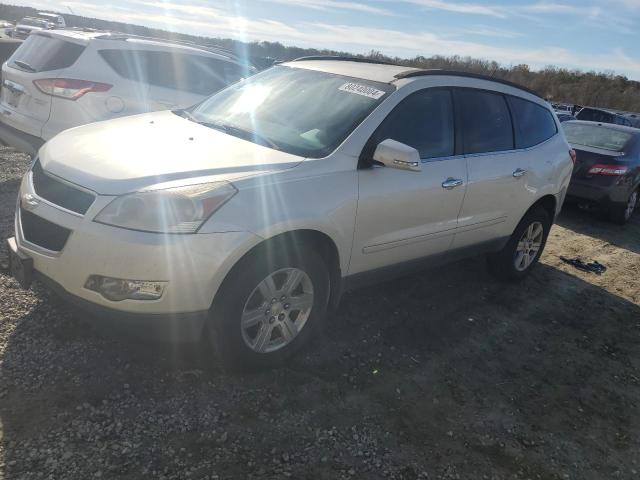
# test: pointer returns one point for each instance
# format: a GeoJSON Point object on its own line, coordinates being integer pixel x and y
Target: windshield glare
{"type": "Point", "coordinates": [596, 136]}
{"type": "Point", "coordinates": [299, 111]}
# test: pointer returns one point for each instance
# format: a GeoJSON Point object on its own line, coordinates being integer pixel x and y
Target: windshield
{"type": "Point", "coordinates": [299, 111]}
{"type": "Point", "coordinates": [596, 136]}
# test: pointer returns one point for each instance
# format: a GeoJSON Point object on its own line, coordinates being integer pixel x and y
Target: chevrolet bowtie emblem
{"type": "Point", "coordinates": [29, 202]}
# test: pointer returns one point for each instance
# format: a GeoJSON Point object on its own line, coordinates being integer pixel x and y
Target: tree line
{"type": "Point", "coordinates": [601, 89]}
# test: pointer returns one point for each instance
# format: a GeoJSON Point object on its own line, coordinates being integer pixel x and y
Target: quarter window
{"type": "Point", "coordinates": [533, 123]}
{"type": "Point", "coordinates": [40, 53]}
{"type": "Point", "coordinates": [486, 122]}
{"type": "Point", "coordinates": [424, 121]}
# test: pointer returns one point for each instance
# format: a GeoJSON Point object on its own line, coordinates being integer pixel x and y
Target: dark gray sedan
{"type": "Point", "coordinates": [606, 174]}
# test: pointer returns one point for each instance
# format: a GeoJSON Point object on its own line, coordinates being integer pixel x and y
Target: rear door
{"type": "Point", "coordinates": [509, 158]}
{"type": "Point", "coordinates": [41, 56]}
{"type": "Point", "coordinates": [493, 194]}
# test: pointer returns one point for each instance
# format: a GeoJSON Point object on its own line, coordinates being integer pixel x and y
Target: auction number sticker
{"type": "Point", "coordinates": [363, 90]}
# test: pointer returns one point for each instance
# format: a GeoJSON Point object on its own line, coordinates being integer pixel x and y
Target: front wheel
{"type": "Point", "coordinates": [523, 250]}
{"type": "Point", "coordinates": [268, 308]}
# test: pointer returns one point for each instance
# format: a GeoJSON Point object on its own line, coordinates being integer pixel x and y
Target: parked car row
{"type": "Point", "coordinates": [567, 112]}
{"type": "Point", "coordinates": [399, 168]}
{"type": "Point", "coordinates": [61, 79]}
{"type": "Point", "coordinates": [41, 21]}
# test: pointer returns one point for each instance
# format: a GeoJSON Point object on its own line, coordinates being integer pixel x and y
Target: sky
{"type": "Point", "coordinates": [601, 35]}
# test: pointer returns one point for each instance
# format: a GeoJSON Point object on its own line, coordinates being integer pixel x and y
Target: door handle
{"type": "Point", "coordinates": [451, 183]}
{"type": "Point", "coordinates": [519, 173]}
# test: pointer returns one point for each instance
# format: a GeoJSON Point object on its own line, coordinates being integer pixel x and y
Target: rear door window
{"type": "Point", "coordinates": [485, 121]}
{"type": "Point", "coordinates": [40, 53]}
{"type": "Point", "coordinates": [424, 121]}
{"type": "Point", "coordinates": [533, 124]}
{"type": "Point", "coordinates": [178, 71]}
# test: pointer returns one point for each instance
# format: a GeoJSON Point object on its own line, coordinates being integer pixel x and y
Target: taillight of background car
{"type": "Point", "coordinates": [69, 88]}
{"type": "Point", "coordinates": [609, 170]}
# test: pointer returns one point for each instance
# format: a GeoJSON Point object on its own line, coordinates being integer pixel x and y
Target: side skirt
{"type": "Point", "coordinates": [378, 275]}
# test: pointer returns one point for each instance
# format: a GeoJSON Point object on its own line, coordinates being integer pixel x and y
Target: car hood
{"type": "Point", "coordinates": [129, 153]}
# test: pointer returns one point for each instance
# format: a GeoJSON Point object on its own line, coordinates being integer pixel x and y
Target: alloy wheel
{"type": "Point", "coordinates": [528, 247]}
{"type": "Point", "coordinates": [277, 310]}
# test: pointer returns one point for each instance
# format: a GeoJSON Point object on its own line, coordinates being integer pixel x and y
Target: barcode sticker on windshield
{"type": "Point", "coordinates": [363, 90]}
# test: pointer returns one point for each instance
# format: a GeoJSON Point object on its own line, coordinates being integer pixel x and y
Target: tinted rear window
{"type": "Point", "coordinates": [39, 53]}
{"type": "Point", "coordinates": [533, 123]}
{"type": "Point", "coordinates": [178, 71]}
{"type": "Point", "coordinates": [596, 136]}
{"type": "Point", "coordinates": [486, 122]}
{"type": "Point", "coordinates": [595, 116]}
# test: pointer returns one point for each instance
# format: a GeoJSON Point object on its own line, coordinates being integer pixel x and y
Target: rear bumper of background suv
{"type": "Point", "coordinates": [20, 140]}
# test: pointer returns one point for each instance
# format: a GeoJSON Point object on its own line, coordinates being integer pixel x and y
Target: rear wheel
{"type": "Point", "coordinates": [523, 250]}
{"type": "Point", "coordinates": [268, 307]}
{"type": "Point", "coordinates": [622, 213]}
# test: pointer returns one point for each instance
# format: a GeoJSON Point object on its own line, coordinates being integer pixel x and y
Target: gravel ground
{"type": "Point", "coordinates": [448, 374]}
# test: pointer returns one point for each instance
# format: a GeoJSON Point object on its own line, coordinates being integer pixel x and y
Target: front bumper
{"type": "Point", "coordinates": [193, 266]}
{"type": "Point", "coordinates": [169, 327]}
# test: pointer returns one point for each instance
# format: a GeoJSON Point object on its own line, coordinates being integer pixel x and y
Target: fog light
{"type": "Point", "coordinates": [118, 289]}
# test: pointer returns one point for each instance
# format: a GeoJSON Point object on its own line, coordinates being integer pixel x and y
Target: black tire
{"type": "Point", "coordinates": [619, 213]}
{"type": "Point", "coordinates": [224, 330]}
{"type": "Point", "coordinates": [502, 264]}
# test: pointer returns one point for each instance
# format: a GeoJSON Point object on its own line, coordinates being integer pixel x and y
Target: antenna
{"type": "Point", "coordinates": [70, 9]}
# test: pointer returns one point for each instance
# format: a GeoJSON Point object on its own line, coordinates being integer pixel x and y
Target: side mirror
{"type": "Point", "coordinates": [394, 154]}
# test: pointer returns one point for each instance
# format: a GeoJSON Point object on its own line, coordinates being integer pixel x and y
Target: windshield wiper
{"type": "Point", "coordinates": [24, 66]}
{"type": "Point", "coordinates": [186, 114]}
{"type": "Point", "coordinates": [239, 132]}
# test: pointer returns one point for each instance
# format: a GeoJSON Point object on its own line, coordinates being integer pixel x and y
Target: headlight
{"type": "Point", "coordinates": [171, 210]}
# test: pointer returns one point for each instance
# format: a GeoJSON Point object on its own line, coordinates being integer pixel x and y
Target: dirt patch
{"type": "Point", "coordinates": [445, 374]}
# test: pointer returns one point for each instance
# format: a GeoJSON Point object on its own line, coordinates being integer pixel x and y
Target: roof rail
{"type": "Point", "coordinates": [210, 48]}
{"type": "Point", "coordinates": [340, 59]}
{"type": "Point", "coordinates": [432, 72]}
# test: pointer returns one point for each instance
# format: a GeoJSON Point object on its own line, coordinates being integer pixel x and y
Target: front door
{"type": "Point", "coordinates": [406, 215]}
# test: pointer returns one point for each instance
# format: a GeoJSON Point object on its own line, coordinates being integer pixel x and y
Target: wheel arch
{"type": "Point", "coordinates": [294, 240]}
{"type": "Point", "coordinates": [548, 203]}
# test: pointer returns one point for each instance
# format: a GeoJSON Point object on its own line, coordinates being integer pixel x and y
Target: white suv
{"type": "Point", "coordinates": [61, 79]}
{"type": "Point", "coordinates": [247, 216]}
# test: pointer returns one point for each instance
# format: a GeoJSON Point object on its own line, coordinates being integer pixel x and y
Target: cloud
{"type": "Point", "coordinates": [455, 7]}
{"type": "Point", "coordinates": [180, 8]}
{"type": "Point", "coordinates": [487, 31]}
{"type": "Point", "coordinates": [335, 5]}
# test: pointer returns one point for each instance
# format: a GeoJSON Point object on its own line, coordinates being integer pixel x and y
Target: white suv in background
{"type": "Point", "coordinates": [245, 218]}
{"type": "Point", "coordinates": [64, 78]}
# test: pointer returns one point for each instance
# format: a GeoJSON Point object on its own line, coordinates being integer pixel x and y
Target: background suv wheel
{"type": "Point", "coordinates": [523, 250]}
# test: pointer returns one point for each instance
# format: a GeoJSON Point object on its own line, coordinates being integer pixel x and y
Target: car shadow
{"type": "Point", "coordinates": [591, 224]}
{"type": "Point", "coordinates": [491, 378]}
